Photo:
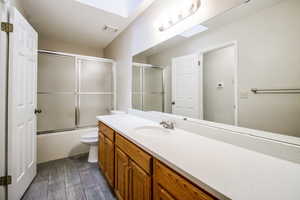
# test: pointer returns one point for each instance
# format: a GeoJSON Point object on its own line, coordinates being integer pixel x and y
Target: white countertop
{"type": "Point", "coordinates": [222, 169]}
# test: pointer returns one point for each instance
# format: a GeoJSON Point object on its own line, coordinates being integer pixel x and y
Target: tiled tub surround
{"type": "Point", "coordinates": [222, 169]}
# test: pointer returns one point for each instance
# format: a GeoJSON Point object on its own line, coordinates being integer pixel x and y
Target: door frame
{"type": "Point", "coordinates": [4, 97]}
{"type": "Point", "coordinates": [236, 62]}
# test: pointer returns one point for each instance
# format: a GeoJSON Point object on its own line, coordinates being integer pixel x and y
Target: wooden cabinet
{"type": "Point", "coordinates": [139, 183]}
{"type": "Point", "coordinates": [121, 175]}
{"type": "Point", "coordinates": [168, 184]}
{"type": "Point", "coordinates": [162, 194]}
{"type": "Point", "coordinates": [109, 162]}
{"type": "Point", "coordinates": [143, 159]}
{"type": "Point", "coordinates": [128, 169]}
{"type": "Point", "coordinates": [107, 132]}
{"type": "Point", "coordinates": [131, 181]}
{"type": "Point", "coordinates": [101, 153]}
{"type": "Point", "coordinates": [106, 159]}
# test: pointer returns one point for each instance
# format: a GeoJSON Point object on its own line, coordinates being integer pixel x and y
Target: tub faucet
{"type": "Point", "coordinates": [168, 124]}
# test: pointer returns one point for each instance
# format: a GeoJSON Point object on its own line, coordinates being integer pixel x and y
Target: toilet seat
{"type": "Point", "coordinates": [90, 137]}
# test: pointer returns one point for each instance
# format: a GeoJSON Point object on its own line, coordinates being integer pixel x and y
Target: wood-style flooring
{"type": "Point", "coordinates": [69, 179]}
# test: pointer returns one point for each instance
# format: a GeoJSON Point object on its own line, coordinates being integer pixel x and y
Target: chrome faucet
{"type": "Point", "coordinates": [168, 124]}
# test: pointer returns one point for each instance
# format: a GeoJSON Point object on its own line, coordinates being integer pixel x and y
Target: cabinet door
{"type": "Point", "coordinates": [139, 183]}
{"type": "Point", "coordinates": [109, 160]}
{"type": "Point", "coordinates": [162, 194]}
{"type": "Point", "coordinates": [101, 154]}
{"type": "Point", "coordinates": [121, 174]}
{"type": "Point", "coordinates": [176, 185]}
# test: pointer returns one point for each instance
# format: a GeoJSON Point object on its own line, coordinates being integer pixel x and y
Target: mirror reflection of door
{"type": "Point", "coordinates": [186, 82]}
{"type": "Point", "coordinates": [218, 85]}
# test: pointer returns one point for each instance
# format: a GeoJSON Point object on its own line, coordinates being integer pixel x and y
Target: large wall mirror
{"type": "Point", "coordinates": [240, 68]}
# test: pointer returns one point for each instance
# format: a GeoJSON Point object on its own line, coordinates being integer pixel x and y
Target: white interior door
{"type": "Point", "coordinates": [22, 104]}
{"type": "Point", "coordinates": [187, 86]}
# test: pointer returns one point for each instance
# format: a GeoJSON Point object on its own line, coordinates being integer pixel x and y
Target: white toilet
{"type": "Point", "coordinates": [91, 139]}
{"type": "Point", "coordinates": [117, 112]}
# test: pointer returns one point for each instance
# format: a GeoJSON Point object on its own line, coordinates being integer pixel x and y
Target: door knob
{"type": "Point", "coordinates": [37, 111]}
{"type": "Point", "coordinates": [173, 102]}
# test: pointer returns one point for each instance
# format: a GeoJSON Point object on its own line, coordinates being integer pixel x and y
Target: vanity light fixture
{"type": "Point", "coordinates": [182, 15]}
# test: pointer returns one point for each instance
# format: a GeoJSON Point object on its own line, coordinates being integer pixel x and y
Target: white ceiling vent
{"type": "Point", "coordinates": [112, 29]}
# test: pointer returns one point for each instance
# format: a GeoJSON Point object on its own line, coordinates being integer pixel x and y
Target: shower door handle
{"type": "Point", "coordinates": [37, 111]}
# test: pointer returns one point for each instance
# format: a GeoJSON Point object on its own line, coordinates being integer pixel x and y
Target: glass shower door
{"type": "Point", "coordinates": [72, 91]}
{"type": "Point", "coordinates": [95, 91]}
{"type": "Point", "coordinates": [153, 91]}
{"type": "Point", "coordinates": [137, 88]}
{"type": "Point", "coordinates": [56, 92]}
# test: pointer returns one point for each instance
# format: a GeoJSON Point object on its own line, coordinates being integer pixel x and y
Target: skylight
{"type": "Point", "coordinates": [123, 8]}
{"type": "Point", "coordinates": [193, 31]}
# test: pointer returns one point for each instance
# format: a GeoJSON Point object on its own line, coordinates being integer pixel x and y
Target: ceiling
{"type": "Point", "coordinates": [73, 22]}
{"type": "Point", "coordinates": [123, 8]}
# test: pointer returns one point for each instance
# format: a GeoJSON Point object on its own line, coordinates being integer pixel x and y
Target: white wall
{"type": "Point", "coordinates": [19, 6]}
{"type": "Point", "coordinates": [143, 33]}
{"type": "Point", "coordinates": [51, 44]}
{"type": "Point", "coordinates": [268, 53]}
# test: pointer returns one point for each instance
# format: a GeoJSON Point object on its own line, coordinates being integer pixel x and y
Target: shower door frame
{"type": "Point", "coordinates": [77, 92]}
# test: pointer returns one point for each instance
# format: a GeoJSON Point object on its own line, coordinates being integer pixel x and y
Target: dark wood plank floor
{"type": "Point", "coordinates": [69, 179]}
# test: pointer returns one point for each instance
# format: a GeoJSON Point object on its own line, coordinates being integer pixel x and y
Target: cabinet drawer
{"type": "Point", "coordinates": [177, 186]}
{"type": "Point", "coordinates": [108, 132]}
{"type": "Point", "coordinates": [143, 159]}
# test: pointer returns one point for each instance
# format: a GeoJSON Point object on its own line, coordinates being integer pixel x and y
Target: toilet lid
{"type": "Point", "coordinates": [90, 135]}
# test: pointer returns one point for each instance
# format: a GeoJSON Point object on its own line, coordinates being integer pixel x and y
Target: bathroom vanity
{"type": "Point", "coordinates": [136, 175]}
{"type": "Point", "coordinates": [142, 160]}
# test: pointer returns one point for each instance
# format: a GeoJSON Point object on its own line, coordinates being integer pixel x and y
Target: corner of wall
{"type": "Point", "coordinates": [51, 44]}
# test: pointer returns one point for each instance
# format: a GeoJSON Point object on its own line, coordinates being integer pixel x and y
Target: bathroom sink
{"type": "Point", "coordinates": [152, 131]}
